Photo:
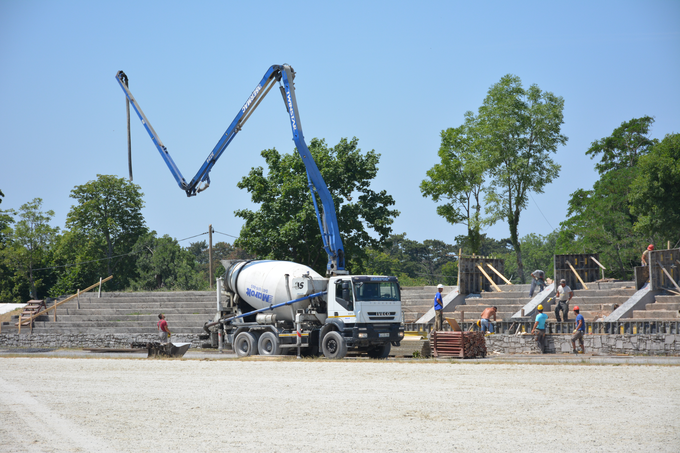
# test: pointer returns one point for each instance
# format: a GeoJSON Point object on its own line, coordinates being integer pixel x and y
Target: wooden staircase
{"type": "Point", "coordinates": [32, 308]}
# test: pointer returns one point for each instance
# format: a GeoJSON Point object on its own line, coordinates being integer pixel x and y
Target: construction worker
{"type": "Point", "coordinates": [438, 308]}
{"type": "Point", "coordinates": [537, 279]}
{"type": "Point", "coordinates": [486, 322]}
{"type": "Point", "coordinates": [579, 331]}
{"type": "Point", "coordinates": [163, 332]}
{"type": "Point", "coordinates": [539, 328]}
{"type": "Point", "coordinates": [645, 254]}
{"type": "Point", "coordinates": [563, 295]}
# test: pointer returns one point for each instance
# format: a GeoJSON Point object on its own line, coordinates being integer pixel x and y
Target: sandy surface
{"type": "Point", "coordinates": [143, 405]}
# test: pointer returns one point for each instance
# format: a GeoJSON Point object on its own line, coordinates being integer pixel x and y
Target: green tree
{"type": "Point", "coordinates": [458, 180]}
{"type": "Point", "coordinates": [600, 220]}
{"type": "Point", "coordinates": [30, 242]}
{"type": "Point", "coordinates": [624, 146]}
{"type": "Point", "coordinates": [108, 217]}
{"type": "Point", "coordinates": [285, 226]}
{"type": "Point", "coordinates": [8, 289]}
{"type": "Point", "coordinates": [519, 129]}
{"type": "Point", "coordinates": [163, 264]}
{"type": "Point", "coordinates": [655, 192]}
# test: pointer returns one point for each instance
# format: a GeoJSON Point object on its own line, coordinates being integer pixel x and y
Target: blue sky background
{"type": "Point", "coordinates": [394, 74]}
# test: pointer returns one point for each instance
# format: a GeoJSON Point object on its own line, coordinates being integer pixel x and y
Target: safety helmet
{"type": "Point", "coordinates": [479, 323]}
{"type": "Point", "coordinates": [540, 307]}
{"type": "Point", "coordinates": [440, 286]}
{"type": "Point", "coordinates": [576, 308]}
{"type": "Point", "coordinates": [650, 247]}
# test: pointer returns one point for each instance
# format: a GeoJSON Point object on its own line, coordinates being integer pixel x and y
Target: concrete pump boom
{"type": "Point", "coordinates": [284, 75]}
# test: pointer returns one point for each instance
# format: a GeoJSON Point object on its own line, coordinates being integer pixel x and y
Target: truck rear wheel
{"type": "Point", "coordinates": [245, 344]}
{"type": "Point", "coordinates": [334, 345]}
{"type": "Point", "coordinates": [268, 344]}
{"type": "Point", "coordinates": [379, 352]}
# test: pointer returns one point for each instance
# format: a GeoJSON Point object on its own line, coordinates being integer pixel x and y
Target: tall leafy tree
{"type": "Point", "coordinates": [107, 220]}
{"type": "Point", "coordinates": [655, 193]}
{"type": "Point", "coordinates": [30, 243]}
{"type": "Point", "coordinates": [458, 180]}
{"type": "Point", "coordinates": [285, 226]}
{"type": "Point", "coordinates": [520, 130]}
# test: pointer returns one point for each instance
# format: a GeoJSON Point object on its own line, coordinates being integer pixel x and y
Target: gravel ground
{"type": "Point", "coordinates": [143, 405]}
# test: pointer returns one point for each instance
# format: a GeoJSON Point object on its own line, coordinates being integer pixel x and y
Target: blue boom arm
{"type": "Point", "coordinates": [284, 75]}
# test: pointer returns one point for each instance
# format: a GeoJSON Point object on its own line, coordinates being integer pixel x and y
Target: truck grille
{"type": "Point", "coordinates": [381, 315]}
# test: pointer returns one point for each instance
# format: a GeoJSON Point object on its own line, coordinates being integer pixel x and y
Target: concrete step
{"type": "Point", "coordinates": [153, 307]}
{"type": "Point", "coordinates": [119, 317]}
{"type": "Point", "coordinates": [656, 314]}
{"type": "Point", "coordinates": [663, 306]}
{"type": "Point", "coordinates": [667, 299]}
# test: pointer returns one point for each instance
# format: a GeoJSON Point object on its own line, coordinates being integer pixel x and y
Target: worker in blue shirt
{"type": "Point", "coordinates": [438, 307]}
{"type": "Point", "coordinates": [579, 331]}
{"type": "Point", "coordinates": [539, 328]}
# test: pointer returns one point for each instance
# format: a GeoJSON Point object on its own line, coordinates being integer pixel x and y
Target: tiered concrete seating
{"type": "Point", "coordinates": [417, 300]}
{"type": "Point", "coordinates": [664, 307]}
{"type": "Point", "coordinates": [133, 313]}
{"type": "Point", "coordinates": [509, 301]}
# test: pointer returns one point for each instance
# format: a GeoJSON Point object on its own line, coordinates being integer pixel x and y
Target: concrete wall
{"type": "Point", "coordinates": [645, 344]}
{"type": "Point", "coordinates": [53, 340]}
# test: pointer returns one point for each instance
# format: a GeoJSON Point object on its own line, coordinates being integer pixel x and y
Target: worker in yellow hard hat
{"type": "Point", "coordinates": [539, 328]}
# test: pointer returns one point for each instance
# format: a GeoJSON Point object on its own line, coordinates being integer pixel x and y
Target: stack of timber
{"type": "Point", "coordinates": [463, 345]}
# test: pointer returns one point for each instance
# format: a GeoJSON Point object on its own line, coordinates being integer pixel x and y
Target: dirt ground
{"type": "Point", "coordinates": [144, 405]}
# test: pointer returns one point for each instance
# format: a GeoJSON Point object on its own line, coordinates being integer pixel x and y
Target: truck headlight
{"type": "Point", "coordinates": [363, 335]}
{"type": "Point", "coordinates": [401, 334]}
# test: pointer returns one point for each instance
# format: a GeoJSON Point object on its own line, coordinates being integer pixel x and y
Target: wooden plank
{"type": "Point", "coordinates": [597, 262]}
{"type": "Point", "coordinates": [499, 274]}
{"type": "Point", "coordinates": [577, 276]}
{"type": "Point", "coordinates": [489, 278]}
{"type": "Point", "coordinates": [454, 324]}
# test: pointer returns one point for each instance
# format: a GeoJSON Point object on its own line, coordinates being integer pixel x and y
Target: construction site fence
{"type": "Point", "coordinates": [621, 327]}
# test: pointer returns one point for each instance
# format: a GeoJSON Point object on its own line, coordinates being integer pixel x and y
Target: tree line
{"type": "Point", "coordinates": [487, 169]}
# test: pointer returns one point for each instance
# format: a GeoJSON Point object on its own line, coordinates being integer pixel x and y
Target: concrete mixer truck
{"type": "Point", "coordinates": [271, 307]}
{"type": "Point", "coordinates": [278, 307]}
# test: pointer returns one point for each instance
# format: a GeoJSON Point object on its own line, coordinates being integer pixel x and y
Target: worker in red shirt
{"type": "Point", "coordinates": [163, 332]}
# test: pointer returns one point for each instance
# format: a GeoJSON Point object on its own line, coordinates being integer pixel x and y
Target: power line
{"type": "Point", "coordinates": [191, 237]}
{"type": "Point", "coordinates": [539, 210]}
{"type": "Point", "coordinates": [225, 234]}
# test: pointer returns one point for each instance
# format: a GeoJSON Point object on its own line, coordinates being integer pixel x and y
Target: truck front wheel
{"type": "Point", "coordinates": [245, 344]}
{"type": "Point", "coordinates": [268, 344]}
{"type": "Point", "coordinates": [334, 345]}
{"type": "Point", "coordinates": [379, 352]}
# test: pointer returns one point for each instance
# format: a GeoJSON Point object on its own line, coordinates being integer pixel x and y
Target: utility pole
{"type": "Point", "coordinates": [210, 261]}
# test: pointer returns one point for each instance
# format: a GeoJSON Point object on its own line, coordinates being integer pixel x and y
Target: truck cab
{"type": "Point", "coordinates": [366, 310]}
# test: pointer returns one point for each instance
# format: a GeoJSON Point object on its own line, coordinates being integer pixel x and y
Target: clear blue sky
{"type": "Point", "coordinates": [394, 74]}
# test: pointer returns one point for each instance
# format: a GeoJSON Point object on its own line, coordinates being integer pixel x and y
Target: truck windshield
{"type": "Point", "coordinates": [377, 291]}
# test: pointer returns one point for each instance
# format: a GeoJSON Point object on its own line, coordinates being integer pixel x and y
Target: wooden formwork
{"type": "Point", "coordinates": [471, 279]}
{"type": "Point", "coordinates": [583, 264]}
{"type": "Point", "coordinates": [668, 260]}
{"type": "Point", "coordinates": [641, 276]}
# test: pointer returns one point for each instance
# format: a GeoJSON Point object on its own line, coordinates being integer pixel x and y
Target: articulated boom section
{"type": "Point", "coordinates": [284, 75]}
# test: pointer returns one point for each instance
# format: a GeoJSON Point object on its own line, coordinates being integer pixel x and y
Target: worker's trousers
{"type": "Point", "coordinates": [438, 320]}
{"type": "Point", "coordinates": [486, 325]}
{"type": "Point", "coordinates": [563, 306]}
{"type": "Point", "coordinates": [540, 339]}
{"type": "Point", "coordinates": [534, 284]}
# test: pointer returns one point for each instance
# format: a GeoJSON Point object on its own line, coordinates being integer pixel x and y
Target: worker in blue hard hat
{"type": "Point", "coordinates": [539, 328]}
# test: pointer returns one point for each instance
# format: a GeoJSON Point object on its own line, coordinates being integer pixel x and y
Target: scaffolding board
{"type": "Point", "coordinates": [471, 279]}
{"type": "Point", "coordinates": [583, 264]}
